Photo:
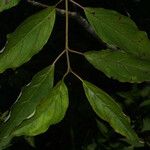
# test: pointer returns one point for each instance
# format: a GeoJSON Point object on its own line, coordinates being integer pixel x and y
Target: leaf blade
{"type": "Point", "coordinates": [120, 65]}
{"type": "Point", "coordinates": [6, 4]}
{"type": "Point", "coordinates": [120, 31]}
{"type": "Point", "coordinates": [107, 109]}
{"type": "Point", "coordinates": [26, 105]}
{"type": "Point", "coordinates": [50, 111]}
{"type": "Point", "coordinates": [28, 39]}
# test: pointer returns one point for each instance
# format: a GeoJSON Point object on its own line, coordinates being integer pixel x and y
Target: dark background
{"type": "Point", "coordinates": [79, 127]}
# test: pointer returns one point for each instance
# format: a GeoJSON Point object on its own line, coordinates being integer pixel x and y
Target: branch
{"type": "Point", "coordinates": [82, 21]}
{"type": "Point", "coordinates": [37, 3]}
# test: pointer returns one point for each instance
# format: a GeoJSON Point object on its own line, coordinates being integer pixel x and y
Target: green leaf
{"type": "Point", "coordinates": [145, 103]}
{"type": "Point", "coordinates": [119, 65]}
{"type": "Point", "coordinates": [28, 39]}
{"type": "Point", "coordinates": [129, 148]}
{"type": "Point", "coordinates": [146, 124]}
{"type": "Point", "coordinates": [102, 128]}
{"type": "Point", "coordinates": [107, 109]}
{"type": "Point", "coordinates": [120, 31]}
{"type": "Point", "coordinates": [51, 110]}
{"type": "Point", "coordinates": [30, 140]}
{"type": "Point", "coordinates": [25, 106]}
{"type": "Point", "coordinates": [6, 4]}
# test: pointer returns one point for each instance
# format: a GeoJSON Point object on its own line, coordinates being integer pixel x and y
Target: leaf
{"type": "Point", "coordinates": [30, 140]}
{"type": "Point", "coordinates": [103, 129]}
{"type": "Point", "coordinates": [28, 39]}
{"type": "Point", "coordinates": [120, 65]}
{"type": "Point", "coordinates": [145, 92]}
{"type": "Point", "coordinates": [120, 31]}
{"type": "Point", "coordinates": [25, 106]}
{"type": "Point", "coordinates": [146, 124]}
{"type": "Point", "coordinates": [51, 110]}
{"type": "Point", "coordinates": [145, 103]}
{"type": "Point", "coordinates": [107, 109]}
{"type": "Point", "coordinates": [129, 148]}
{"type": "Point", "coordinates": [6, 4]}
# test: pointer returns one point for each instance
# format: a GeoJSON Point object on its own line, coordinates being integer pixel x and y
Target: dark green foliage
{"type": "Point", "coordinates": [42, 104]}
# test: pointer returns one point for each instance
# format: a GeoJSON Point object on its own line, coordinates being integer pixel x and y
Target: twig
{"type": "Point", "coordinates": [77, 4]}
{"type": "Point", "coordinates": [58, 57]}
{"type": "Point", "coordinates": [41, 4]}
{"type": "Point", "coordinates": [77, 75]}
{"type": "Point", "coordinates": [58, 3]}
{"type": "Point", "coordinates": [82, 21]}
{"type": "Point", "coordinates": [67, 38]}
{"type": "Point", "coordinates": [37, 3]}
{"type": "Point", "coordinates": [76, 52]}
{"type": "Point", "coordinates": [79, 18]}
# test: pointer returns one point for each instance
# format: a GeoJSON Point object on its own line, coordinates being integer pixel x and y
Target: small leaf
{"type": "Point", "coordinates": [28, 39]}
{"type": "Point", "coordinates": [119, 65]}
{"type": "Point", "coordinates": [146, 124]}
{"type": "Point", "coordinates": [120, 31]}
{"type": "Point", "coordinates": [107, 109]}
{"type": "Point", "coordinates": [30, 140]}
{"type": "Point", "coordinates": [145, 103]}
{"type": "Point", "coordinates": [129, 148]}
{"type": "Point", "coordinates": [102, 128]}
{"type": "Point", "coordinates": [6, 4]}
{"type": "Point", "coordinates": [26, 104]}
{"type": "Point", "coordinates": [51, 110]}
{"type": "Point", "coordinates": [145, 92]}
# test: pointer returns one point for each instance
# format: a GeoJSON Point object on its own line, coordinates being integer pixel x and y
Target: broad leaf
{"type": "Point", "coordinates": [6, 4]}
{"type": "Point", "coordinates": [25, 106]}
{"type": "Point", "coordinates": [51, 110]}
{"type": "Point", "coordinates": [28, 39]}
{"type": "Point", "coordinates": [119, 65]}
{"type": "Point", "coordinates": [107, 109]}
{"type": "Point", "coordinates": [120, 31]}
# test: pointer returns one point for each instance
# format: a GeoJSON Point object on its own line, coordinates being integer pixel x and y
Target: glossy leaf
{"type": "Point", "coordinates": [107, 109]}
{"type": "Point", "coordinates": [120, 31]}
{"type": "Point", "coordinates": [6, 4]}
{"type": "Point", "coordinates": [51, 110]}
{"type": "Point", "coordinates": [119, 65]}
{"type": "Point", "coordinates": [28, 39]}
{"type": "Point", "coordinates": [25, 106]}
